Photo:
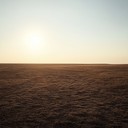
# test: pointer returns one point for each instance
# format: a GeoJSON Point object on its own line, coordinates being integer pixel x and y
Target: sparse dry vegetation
{"type": "Point", "coordinates": [63, 96]}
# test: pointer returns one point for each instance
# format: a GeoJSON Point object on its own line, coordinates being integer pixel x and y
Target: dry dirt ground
{"type": "Point", "coordinates": [63, 96]}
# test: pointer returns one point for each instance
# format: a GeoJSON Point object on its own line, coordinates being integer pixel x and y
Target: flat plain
{"type": "Point", "coordinates": [63, 96]}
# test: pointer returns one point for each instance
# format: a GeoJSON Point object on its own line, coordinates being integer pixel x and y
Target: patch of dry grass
{"type": "Point", "coordinates": [63, 96]}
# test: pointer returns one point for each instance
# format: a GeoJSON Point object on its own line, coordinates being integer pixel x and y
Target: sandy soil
{"type": "Point", "coordinates": [63, 96]}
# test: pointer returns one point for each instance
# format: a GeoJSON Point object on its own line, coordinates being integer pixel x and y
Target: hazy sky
{"type": "Point", "coordinates": [64, 31]}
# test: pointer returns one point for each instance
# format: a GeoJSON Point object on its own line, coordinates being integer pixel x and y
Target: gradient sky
{"type": "Point", "coordinates": [70, 31]}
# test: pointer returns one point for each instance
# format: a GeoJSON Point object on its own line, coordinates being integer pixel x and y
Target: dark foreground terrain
{"type": "Point", "coordinates": [63, 96]}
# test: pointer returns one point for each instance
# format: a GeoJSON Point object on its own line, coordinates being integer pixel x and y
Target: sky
{"type": "Point", "coordinates": [64, 31]}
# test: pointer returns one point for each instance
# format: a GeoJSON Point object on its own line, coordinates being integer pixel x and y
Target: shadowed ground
{"type": "Point", "coordinates": [63, 96]}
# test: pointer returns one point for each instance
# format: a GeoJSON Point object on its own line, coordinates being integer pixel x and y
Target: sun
{"type": "Point", "coordinates": [34, 41]}
{"type": "Point", "coordinates": [34, 44]}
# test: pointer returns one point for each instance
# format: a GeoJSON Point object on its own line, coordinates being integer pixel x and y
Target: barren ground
{"type": "Point", "coordinates": [63, 96]}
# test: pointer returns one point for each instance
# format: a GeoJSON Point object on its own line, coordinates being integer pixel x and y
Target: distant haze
{"type": "Point", "coordinates": [63, 31]}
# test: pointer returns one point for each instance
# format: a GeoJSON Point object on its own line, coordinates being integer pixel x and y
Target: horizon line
{"type": "Point", "coordinates": [67, 63]}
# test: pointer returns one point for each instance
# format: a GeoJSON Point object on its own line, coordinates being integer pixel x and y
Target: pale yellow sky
{"type": "Point", "coordinates": [63, 31]}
